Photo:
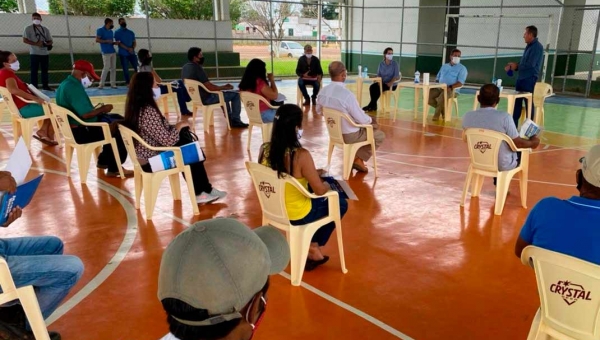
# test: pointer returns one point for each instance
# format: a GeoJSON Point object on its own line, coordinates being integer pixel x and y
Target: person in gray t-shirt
{"type": "Point", "coordinates": [39, 40]}
{"type": "Point", "coordinates": [487, 117]}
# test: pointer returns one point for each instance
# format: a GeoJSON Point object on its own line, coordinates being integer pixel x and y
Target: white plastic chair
{"type": "Point", "coordinates": [453, 101]}
{"type": "Point", "coordinates": [193, 88]}
{"type": "Point", "coordinates": [541, 91]}
{"type": "Point", "coordinates": [150, 181]}
{"type": "Point", "coordinates": [385, 100]}
{"type": "Point", "coordinates": [271, 195]}
{"type": "Point", "coordinates": [484, 147]}
{"type": "Point", "coordinates": [299, 96]}
{"type": "Point", "coordinates": [164, 99]}
{"type": "Point", "coordinates": [252, 102]}
{"type": "Point", "coordinates": [333, 120]}
{"type": "Point", "coordinates": [23, 127]}
{"type": "Point", "coordinates": [569, 289]}
{"type": "Point", "coordinates": [27, 298]}
{"type": "Point", "coordinates": [84, 151]}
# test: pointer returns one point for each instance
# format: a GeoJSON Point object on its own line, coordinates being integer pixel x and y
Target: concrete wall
{"type": "Point", "coordinates": [166, 35]}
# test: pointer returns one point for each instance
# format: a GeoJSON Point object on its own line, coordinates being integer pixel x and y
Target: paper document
{"type": "Point", "coordinates": [19, 162]}
{"type": "Point", "coordinates": [20, 198]}
{"type": "Point", "coordinates": [529, 129]}
{"type": "Point", "coordinates": [191, 153]}
{"type": "Point", "coordinates": [38, 93]}
{"type": "Point", "coordinates": [341, 186]}
{"type": "Point", "coordinates": [280, 97]}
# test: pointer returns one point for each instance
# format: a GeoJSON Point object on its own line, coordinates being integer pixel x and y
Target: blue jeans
{"type": "Point", "coordinates": [319, 210]}
{"type": "Point", "coordinates": [302, 85]}
{"type": "Point", "coordinates": [232, 102]}
{"type": "Point", "coordinates": [268, 115]}
{"type": "Point", "coordinates": [125, 61]}
{"type": "Point", "coordinates": [182, 96]}
{"type": "Point", "coordinates": [525, 85]}
{"type": "Point", "coordinates": [38, 261]}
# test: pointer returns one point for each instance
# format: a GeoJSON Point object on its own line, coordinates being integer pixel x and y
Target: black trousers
{"type": "Point", "coordinates": [375, 94]}
{"type": "Point", "coordinates": [37, 62]}
{"type": "Point", "coordinates": [199, 177]}
{"type": "Point", "coordinates": [90, 134]}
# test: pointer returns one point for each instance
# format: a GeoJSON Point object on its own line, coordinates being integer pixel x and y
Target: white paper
{"type": "Point", "coordinates": [529, 129]}
{"type": "Point", "coordinates": [425, 78]}
{"type": "Point", "coordinates": [19, 162]}
{"type": "Point", "coordinates": [280, 97]}
{"type": "Point", "coordinates": [38, 93]}
{"type": "Point", "coordinates": [347, 189]}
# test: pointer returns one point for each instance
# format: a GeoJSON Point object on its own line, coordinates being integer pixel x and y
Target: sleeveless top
{"type": "Point", "coordinates": [296, 203]}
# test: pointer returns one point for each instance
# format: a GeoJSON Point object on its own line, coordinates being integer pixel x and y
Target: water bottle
{"type": "Point", "coordinates": [417, 75]}
{"type": "Point", "coordinates": [365, 72]}
{"type": "Point", "coordinates": [494, 80]}
{"type": "Point", "coordinates": [359, 70]}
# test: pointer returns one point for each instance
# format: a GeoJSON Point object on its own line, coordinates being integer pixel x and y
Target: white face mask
{"type": "Point", "coordinates": [86, 82]}
{"type": "Point", "coordinates": [157, 93]}
{"type": "Point", "coordinates": [299, 133]}
{"type": "Point", "coordinates": [308, 55]}
{"type": "Point", "coordinates": [389, 56]}
{"type": "Point", "coordinates": [456, 60]}
{"type": "Point", "coordinates": [37, 22]}
{"type": "Point", "coordinates": [15, 66]}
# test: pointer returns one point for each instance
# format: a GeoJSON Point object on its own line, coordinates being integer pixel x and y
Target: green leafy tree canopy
{"type": "Point", "coordinates": [8, 6]}
{"type": "Point", "coordinates": [191, 9]}
{"type": "Point", "coordinates": [109, 8]}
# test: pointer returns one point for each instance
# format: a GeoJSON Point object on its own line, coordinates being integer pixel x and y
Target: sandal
{"type": "Point", "coordinates": [312, 264]}
{"type": "Point", "coordinates": [45, 140]}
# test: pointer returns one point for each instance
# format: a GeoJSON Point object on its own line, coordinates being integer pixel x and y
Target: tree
{"type": "Point", "coordinates": [191, 9]}
{"type": "Point", "coordinates": [268, 19]}
{"type": "Point", "coordinates": [310, 10]}
{"type": "Point", "coordinates": [109, 8]}
{"type": "Point", "coordinates": [8, 6]}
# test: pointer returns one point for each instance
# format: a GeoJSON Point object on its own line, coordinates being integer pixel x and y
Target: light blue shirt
{"type": "Point", "coordinates": [388, 72]}
{"type": "Point", "coordinates": [492, 119]}
{"type": "Point", "coordinates": [451, 74]}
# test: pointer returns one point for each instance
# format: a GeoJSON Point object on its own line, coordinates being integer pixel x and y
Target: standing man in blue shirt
{"type": "Point", "coordinates": [105, 37]}
{"type": "Point", "coordinates": [127, 44]}
{"type": "Point", "coordinates": [529, 69]}
{"type": "Point", "coordinates": [453, 74]}
{"type": "Point", "coordinates": [569, 226]}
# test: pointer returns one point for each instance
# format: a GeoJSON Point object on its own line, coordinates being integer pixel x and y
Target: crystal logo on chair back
{"type": "Point", "coordinates": [266, 188]}
{"type": "Point", "coordinates": [570, 292]}
{"type": "Point", "coordinates": [250, 104]}
{"type": "Point", "coordinates": [330, 122]}
{"type": "Point", "coordinates": [482, 146]}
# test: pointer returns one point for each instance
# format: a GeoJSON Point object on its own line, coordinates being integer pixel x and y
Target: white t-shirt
{"type": "Point", "coordinates": [169, 337]}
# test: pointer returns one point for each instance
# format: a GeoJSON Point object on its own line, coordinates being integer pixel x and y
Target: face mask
{"type": "Point", "coordinates": [389, 56]}
{"type": "Point", "coordinates": [308, 55]}
{"type": "Point", "coordinates": [299, 133]}
{"type": "Point", "coordinates": [260, 318]}
{"type": "Point", "coordinates": [86, 82]}
{"type": "Point", "coordinates": [123, 25]}
{"type": "Point", "coordinates": [37, 22]}
{"type": "Point", "coordinates": [201, 61]}
{"type": "Point", "coordinates": [156, 91]}
{"type": "Point", "coordinates": [15, 66]}
{"type": "Point", "coordinates": [456, 60]}
{"type": "Point", "coordinates": [148, 61]}
{"type": "Point", "coordinates": [111, 26]}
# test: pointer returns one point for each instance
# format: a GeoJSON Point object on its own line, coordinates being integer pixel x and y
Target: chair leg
{"type": "Point", "coordinates": [266, 132]}
{"type": "Point", "coordinates": [191, 191]}
{"type": "Point", "coordinates": [299, 244]}
{"type": "Point", "coordinates": [194, 112]}
{"type": "Point", "coordinates": [175, 188]}
{"type": "Point", "coordinates": [466, 187]}
{"type": "Point", "coordinates": [250, 126]}
{"type": "Point", "coordinates": [56, 130]}
{"type": "Point", "coordinates": [477, 185]}
{"type": "Point", "coordinates": [115, 150]}
{"type": "Point", "coordinates": [501, 192]}
{"type": "Point", "coordinates": [176, 105]}
{"type": "Point", "coordinates": [206, 118]}
{"type": "Point", "coordinates": [523, 186]}
{"type": "Point", "coordinates": [226, 117]}
{"type": "Point", "coordinates": [16, 130]}
{"type": "Point", "coordinates": [69, 157]}
{"type": "Point", "coordinates": [374, 157]}
{"type": "Point", "coordinates": [26, 132]}
{"type": "Point", "coordinates": [139, 183]}
{"type": "Point", "coordinates": [150, 195]}
{"type": "Point", "coordinates": [338, 230]}
{"type": "Point", "coordinates": [33, 313]}
{"type": "Point", "coordinates": [329, 153]}
{"type": "Point", "coordinates": [83, 162]}
{"type": "Point", "coordinates": [347, 168]}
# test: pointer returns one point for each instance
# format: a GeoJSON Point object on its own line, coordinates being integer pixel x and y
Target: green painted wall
{"type": "Point", "coordinates": [168, 65]}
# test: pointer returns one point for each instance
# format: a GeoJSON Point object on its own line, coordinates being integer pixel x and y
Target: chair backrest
{"type": "Point", "coordinates": [10, 103]}
{"type": "Point", "coordinates": [271, 191]}
{"type": "Point", "coordinates": [540, 92]}
{"type": "Point", "coordinates": [128, 139]}
{"type": "Point", "coordinates": [569, 290]}
{"type": "Point", "coordinates": [193, 88]}
{"type": "Point", "coordinates": [251, 102]}
{"type": "Point", "coordinates": [61, 116]}
{"type": "Point", "coordinates": [484, 147]}
{"type": "Point", "coordinates": [333, 120]}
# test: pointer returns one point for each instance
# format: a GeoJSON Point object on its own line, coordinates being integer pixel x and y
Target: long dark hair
{"type": "Point", "coordinates": [256, 69]}
{"type": "Point", "coordinates": [143, 57]}
{"type": "Point", "coordinates": [4, 55]}
{"type": "Point", "coordinates": [139, 97]}
{"type": "Point", "coordinates": [284, 137]}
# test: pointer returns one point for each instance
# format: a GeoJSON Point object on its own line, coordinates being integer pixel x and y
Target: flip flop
{"type": "Point", "coordinates": [359, 167]}
{"type": "Point", "coordinates": [45, 140]}
{"type": "Point", "coordinates": [312, 264]}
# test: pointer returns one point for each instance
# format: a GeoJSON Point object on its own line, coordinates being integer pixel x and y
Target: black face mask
{"type": "Point", "coordinates": [111, 26]}
{"type": "Point", "coordinates": [148, 61]}
{"type": "Point", "coordinates": [201, 61]}
{"type": "Point", "coordinates": [123, 25]}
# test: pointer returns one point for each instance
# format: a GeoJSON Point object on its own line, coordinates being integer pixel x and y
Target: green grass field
{"type": "Point", "coordinates": [284, 67]}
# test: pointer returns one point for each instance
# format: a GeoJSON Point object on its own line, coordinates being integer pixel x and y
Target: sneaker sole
{"type": "Point", "coordinates": [206, 201]}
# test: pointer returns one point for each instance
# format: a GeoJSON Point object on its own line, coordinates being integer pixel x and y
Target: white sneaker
{"type": "Point", "coordinates": [204, 198]}
{"type": "Point", "coordinates": [219, 193]}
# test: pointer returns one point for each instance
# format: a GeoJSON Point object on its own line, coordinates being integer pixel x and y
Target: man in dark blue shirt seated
{"type": "Point", "coordinates": [569, 226]}
{"type": "Point", "coordinates": [529, 69]}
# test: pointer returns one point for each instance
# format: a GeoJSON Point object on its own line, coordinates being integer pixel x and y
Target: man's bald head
{"type": "Point", "coordinates": [489, 95]}
{"type": "Point", "coordinates": [337, 71]}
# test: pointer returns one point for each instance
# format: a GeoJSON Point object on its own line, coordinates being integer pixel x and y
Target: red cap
{"type": "Point", "coordinates": [86, 66]}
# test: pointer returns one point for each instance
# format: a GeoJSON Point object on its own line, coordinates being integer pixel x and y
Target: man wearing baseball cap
{"type": "Point", "coordinates": [214, 278]}
{"type": "Point", "coordinates": [71, 95]}
{"type": "Point", "coordinates": [572, 226]}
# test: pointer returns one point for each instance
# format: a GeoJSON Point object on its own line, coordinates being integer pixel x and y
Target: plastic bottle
{"type": "Point", "coordinates": [360, 70]}
{"type": "Point", "coordinates": [494, 80]}
{"type": "Point", "coordinates": [417, 76]}
{"type": "Point", "coordinates": [365, 73]}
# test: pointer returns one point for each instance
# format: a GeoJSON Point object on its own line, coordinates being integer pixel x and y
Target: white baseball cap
{"type": "Point", "coordinates": [590, 166]}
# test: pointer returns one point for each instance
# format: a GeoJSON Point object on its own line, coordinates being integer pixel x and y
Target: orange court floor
{"type": "Point", "coordinates": [419, 265]}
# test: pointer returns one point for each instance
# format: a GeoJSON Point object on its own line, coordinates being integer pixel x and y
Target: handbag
{"type": "Point", "coordinates": [186, 136]}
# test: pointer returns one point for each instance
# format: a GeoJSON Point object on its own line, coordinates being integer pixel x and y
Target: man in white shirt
{"type": "Point", "coordinates": [336, 96]}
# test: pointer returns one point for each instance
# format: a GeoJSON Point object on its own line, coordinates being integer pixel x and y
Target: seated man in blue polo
{"type": "Point", "coordinates": [569, 226]}
{"type": "Point", "coordinates": [194, 70]}
{"type": "Point", "coordinates": [453, 74]}
{"type": "Point", "coordinates": [72, 96]}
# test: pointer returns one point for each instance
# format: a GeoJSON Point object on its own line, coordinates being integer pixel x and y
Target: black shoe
{"type": "Point", "coordinates": [306, 102]}
{"type": "Point", "coordinates": [12, 324]}
{"type": "Point", "coordinates": [47, 88]}
{"type": "Point", "coordinates": [187, 114]}
{"type": "Point", "coordinates": [312, 264]}
{"type": "Point", "coordinates": [369, 109]}
{"type": "Point", "coordinates": [314, 101]}
{"type": "Point", "coordinates": [238, 125]}
{"type": "Point", "coordinates": [102, 166]}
